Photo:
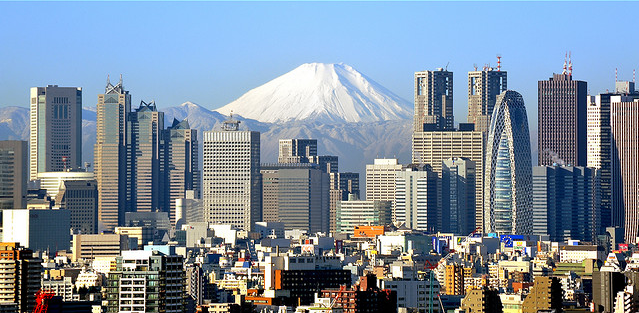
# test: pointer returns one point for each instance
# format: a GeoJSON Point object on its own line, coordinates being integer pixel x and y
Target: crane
{"type": "Point", "coordinates": [42, 301]}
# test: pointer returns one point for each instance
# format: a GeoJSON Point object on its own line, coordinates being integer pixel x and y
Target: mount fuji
{"type": "Point", "coordinates": [320, 92]}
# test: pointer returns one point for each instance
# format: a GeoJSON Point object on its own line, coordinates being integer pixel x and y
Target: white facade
{"type": "Point", "coordinates": [38, 230]}
{"type": "Point", "coordinates": [52, 181]}
{"type": "Point", "coordinates": [231, 181]}
{"type": "Point", "coordinates": [380, 179]}
{"type": "Point", "coordinates": [508, 183]}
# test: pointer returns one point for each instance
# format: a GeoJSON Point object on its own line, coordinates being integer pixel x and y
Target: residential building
{"type": "Point", "coordinates": [433, 147]}
{"type": "Point", "coordinates": [145, 173]}
{"type": "Point", "coordinates": [433, 100]}
{"type": "Point", "coordinates": [546, 294]}
{"type": "Point", "coordinates": [483, 88]}
{"type": "Point", "coordinates": [109, 154]}
{"type": "Point", "coordinates": [181, 164]}
{"type": "Point", "coordinates": [20, 276]}
{"type": "Point", "coordinates": [483, 300]}
{"type": "Point", "coordinates": [458, 195]}
{"type": "Point", "coordinates": [366, 297]}
{"type": "Point", "coordinates": [418, 295]}
{"type": "Point", "coordinates": [55, 138]}
{"type": "Point", "coordinates": [297, 195]}
{"type": "Point", "coordinates": [624, 120]}
{"type": "Point", "coordinates": [562, 130]}
{"type": "Point", "coordinates": [565, 202]}
{"type": "Point", "coordinates": [416, 200]}
{"type": "Point", "coordinates": [355, 212]}
{"type": "Point", "coordinates": [508, 170]}
{"type": "Point", "coordinates": [231, 180]}
{"type": "Point", "coordinates": [14, 173]}
{"type": "Point", "coordinates": [146, 281]}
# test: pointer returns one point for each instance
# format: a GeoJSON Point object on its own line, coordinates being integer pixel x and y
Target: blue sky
{"type": "Point", "coordinates": [212, 52]}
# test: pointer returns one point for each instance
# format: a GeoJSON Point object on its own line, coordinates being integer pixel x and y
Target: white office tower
{"type": "Point", "coordinates": [231, 180]}
{"type": "Point", "coordinates": [380, 179]}
{"type": "Point", "coordinates": [508, 183]}
{"type": "Point", "coordinates": [416, 198]}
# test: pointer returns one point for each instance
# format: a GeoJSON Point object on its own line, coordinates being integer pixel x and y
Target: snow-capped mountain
{"type": "Point", "coordinates": [326, 93]}
{"type": "Point", "coordinates": [203, 119]}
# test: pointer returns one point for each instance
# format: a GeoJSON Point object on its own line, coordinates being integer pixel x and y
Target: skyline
{"type": "Point", "coordinates": [223, 50]}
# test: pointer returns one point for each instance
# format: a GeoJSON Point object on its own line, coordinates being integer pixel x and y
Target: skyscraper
{"type": "Point", "coordinates": [624, 121]}
{"type": "Point", "coordinates": [508, 183]}
{"type": "Point", "coordinates": [458, 195]}
{"type": "Point", "coordinates": [56, 129]}
{"type": "Point", "coordinates": [109, 153]}
{"type": "Point", "coordinates": [416, 198]}
{"type": "Point", "coordinates": [14, 172]}
{"type": "Point", "coordinates": [231, 180]}
{"type": "Point", "coordinates": [145, 174]}
{"type": "Point", "coordinates": [296, 195]}
{"type": "Point", "coordinates": [483, 88]}
{"type": "Point", "coordinates": [565, 202]}
{"type": "Point", "coordinates": [181, 163]}
{"type": "Point", "coordinates": [342, 185]}
{"type": "Point", "coordinates": [433, 100]}
{"type": "Point", "coordinates": [297, 150]}
{"type": "Point", "coordinates": [433, 147]}
{"type": "Point", "coordinates": [380, 180]}
{"type": "Point", "coordinates": [562, 106]}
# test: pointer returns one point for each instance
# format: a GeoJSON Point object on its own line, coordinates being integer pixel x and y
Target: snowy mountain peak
{"type": "Point", "coordinates": [320, 92]}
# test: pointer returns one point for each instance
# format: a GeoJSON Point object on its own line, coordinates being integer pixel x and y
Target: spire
{"type": "Point", "coordinates": [565, 63]}
{"type": "Point", "coordinates": [108, 80]}
{"type": "Point", "coordinates": [120, 83]}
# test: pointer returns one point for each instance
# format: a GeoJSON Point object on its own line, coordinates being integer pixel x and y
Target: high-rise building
{"type": "Point", "coordinates": [43, 230]}
{"type": "Point", "coordinates": [80, 198]}
{"type": "Point", "coordinates": [416, 198]}
{"type": "Point", "coordinates": [508, 170]}
{"type": "Point", "coordinates": [562, 132]}
{"type": "Point", "coordinates": [483, 88]}
{"type": "Point", "coordinates": [297, 150]}
{"type": "Point", "coordinates": [458, 195]}
{"type": "Point", "coordinates": [20, 276]}
{"type": "Point", "coordinates": [52, 181]}
{"type": "Point", "coordinates": [433, 147]}
{"type": "Point", "coordinates": [14, 173]}
{"type": "Point", "coordinates": [145, 173]}
{"type": "Point", "coordinates": [565, 204]}
{"type": "Point", "coordinates": [231, 180]}
{"type": "Point", "coordinates": [327, 163]}
{"type": "Point", "coordinates": [355, 212]}
{"type": "Point", "coordinates": [146, 281]}
{"type": "Point", "coordinates": [380, 180]}
{"type": "Point", "coordinates": [181, 163]}
{"type": "Point", "coordinates": [624, 121]}
{"type": "Point", "coordinates": [109, 155]}
{"type": "Point", "coordinates": [433, 100]}
{"type": "Point", "coordinates": [55, 141]}
{"type": "Point", "coordinates": [342, 184]}
{"type": "Point", "coordinates": [296, 195]}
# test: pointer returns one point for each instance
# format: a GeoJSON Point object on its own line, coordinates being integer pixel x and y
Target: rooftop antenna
{"type": "Point", "coordinates": [446, 68]}
{"type": "Point", "coordinates": [569, 63]}
{"type": "Point", "coordinates": [120, 80]}
{"type": "Point", "coordinates": [499, 63]}
{"type": "Point", "coordinates": [475, 66]}
{"type": "Point", "coordinates": [633, 75]}
{"type": "Point", "coordinates": [108, 80]}
{"type": "Point", "coordinates": [565, 63]}
{"type": "Point", "coordinates": [615, 74]}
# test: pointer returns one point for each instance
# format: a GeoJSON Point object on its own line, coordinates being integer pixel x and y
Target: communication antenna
{"type": "Point", "coordinates": [569, 63]}
{"type": "Point", "coordinates": [475, 66]}
{"type": "Point", "coordinates": [499, 63]}
{"type": "Point", "coordinates": [565, 63]}
{"type": "Point", "coordinates": [633, 75]}
{"type": "Point", "coordinates": [615, 74]}
{"type": "Point", "coordinates": [446, 68]}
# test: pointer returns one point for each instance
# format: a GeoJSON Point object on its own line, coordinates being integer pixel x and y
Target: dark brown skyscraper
{"type": "Point", "coordinates": [562, 120]}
